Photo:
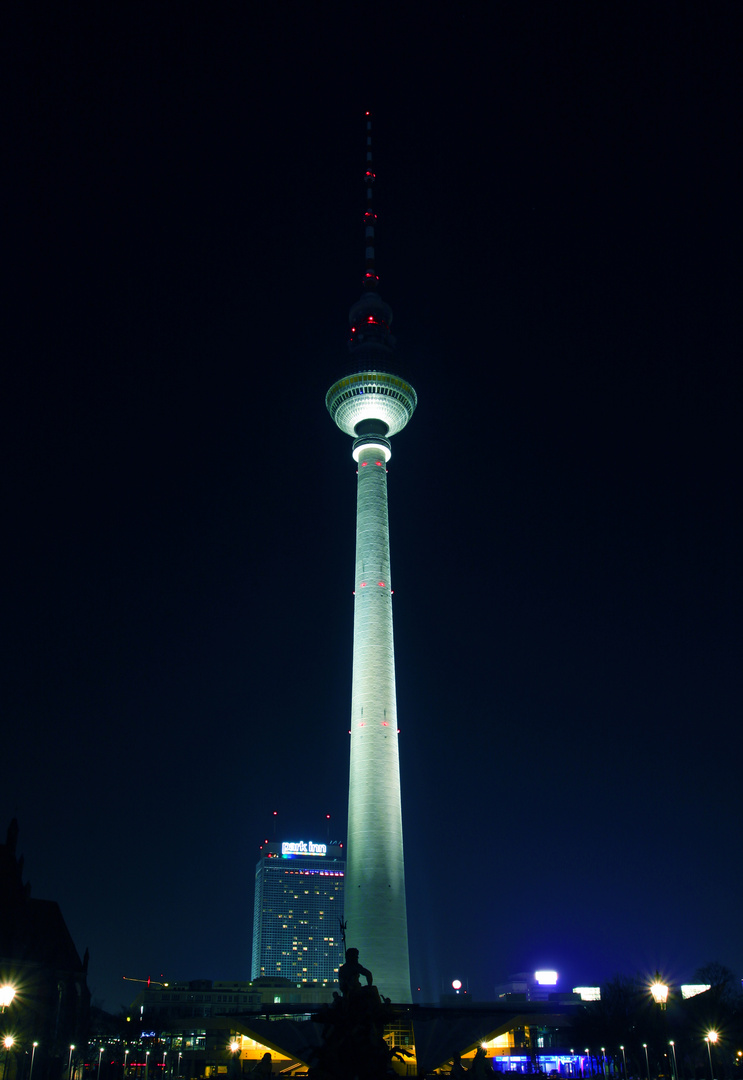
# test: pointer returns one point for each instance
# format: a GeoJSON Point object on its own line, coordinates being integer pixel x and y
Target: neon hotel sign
{"type": "Point", "coordinates": [291, 848]}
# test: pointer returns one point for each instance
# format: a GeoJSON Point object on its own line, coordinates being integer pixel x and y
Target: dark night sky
{"type": "Point", "coordinates": [559, 198]}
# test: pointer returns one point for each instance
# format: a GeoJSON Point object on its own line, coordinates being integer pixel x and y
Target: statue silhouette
{"type": "Point", "coordinates": [353, 1042]}
{"type": "Point", "coordinates": [349, 974]}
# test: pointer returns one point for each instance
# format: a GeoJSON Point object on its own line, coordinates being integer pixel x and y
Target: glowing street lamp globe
{"type": "Point", "coordinates": [659, 991]}
{"type": "Point", "coordinates": [7, 993]}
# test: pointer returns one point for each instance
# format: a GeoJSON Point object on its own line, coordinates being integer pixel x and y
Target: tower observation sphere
{"type": "Point", "coordinates": [372, 405]}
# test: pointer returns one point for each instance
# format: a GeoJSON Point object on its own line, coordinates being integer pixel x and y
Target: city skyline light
{"type": "Point", "coordinates": [558, 226]}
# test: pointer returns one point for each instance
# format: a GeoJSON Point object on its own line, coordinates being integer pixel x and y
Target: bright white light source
{"type": "Point", "coordinates": [369, 448]}
{"type": "Point", "coordinates": [457, 984]}
{"type": "Point", "coordinates": [546, 978]}
{"type": "Point", "coordinates": [659, 991]}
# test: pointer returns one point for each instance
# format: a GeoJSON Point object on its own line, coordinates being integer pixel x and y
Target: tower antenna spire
{"type": "Point", "coordinates": [370, 317]}
{"type": "Point", "coordinates": [371, 280]}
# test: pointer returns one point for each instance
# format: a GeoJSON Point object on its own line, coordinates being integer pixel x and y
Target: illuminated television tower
{"type": "Point", "coordinates": [372, 405]}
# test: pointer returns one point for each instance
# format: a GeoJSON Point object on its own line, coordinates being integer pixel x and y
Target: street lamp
{"type": "Point", "coordinates": [659, 990]}
{"type": "Point", "coordinates": [235, 1051]}
{"type": "Point", "coordinates": [624, 1059]}
{"type": "Point", "coordinates": [100, 1055]}
{"type": "Point", "coordinates": [7, 993]}
{"type": "Point", "coordinates": [672, 1044]}
{"type": "Point", "coordinates": [69, 1062]}
{"type": "Point", "coordinates": [33, 1054]}
{"type": "Point", "coordinates": [709, 1038]}
{"type": "Point", "coordinates": [647, 1063]}
{"type": "Point", "coordinates": [8, 1042]}
{"type": "Point", "coordinates": [125, 1057]}
{"type": "Point", "coordinates": [180, 1055]}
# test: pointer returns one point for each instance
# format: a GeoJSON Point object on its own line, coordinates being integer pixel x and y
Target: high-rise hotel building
{"type": "Point", "coordinates": [298, 911]}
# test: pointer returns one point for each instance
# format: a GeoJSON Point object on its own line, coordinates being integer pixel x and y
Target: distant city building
{"type": "Point", "coordinates": [534, 986]}
{"type": "Point", "coordinates": [204, 998]}
{"type": "Point", "coordinates": [297, 912]}
{"type": "Point", "coordinates": [38, 959]}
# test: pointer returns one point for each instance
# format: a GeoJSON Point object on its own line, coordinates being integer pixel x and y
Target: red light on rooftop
{"type": "Point", "coordinates": [377, 462]}
{"type": "Point", "coordinates": [385, 723]}
{"type": "Point", "coordinates": [363, 584]}
{"type": "Point", "coordinates": [380, 583]}
{"type": "Point", "coordinates": [364, 464]}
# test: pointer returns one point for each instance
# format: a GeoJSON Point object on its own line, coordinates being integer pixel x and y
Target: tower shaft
{"type": "Point", "coordinates": [375, 877]}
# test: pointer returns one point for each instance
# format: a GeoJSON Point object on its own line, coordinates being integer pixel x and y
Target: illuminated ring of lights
{"type": "Point", "coordinates": [372, 443]}
{"type": "Point", "coordinates": [371, 395]}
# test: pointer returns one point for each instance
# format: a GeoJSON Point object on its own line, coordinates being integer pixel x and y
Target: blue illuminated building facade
{"type": "Point", "coordinates": [298, 910]}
